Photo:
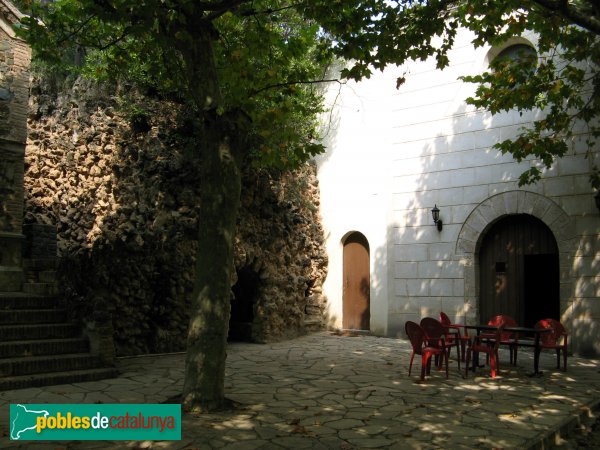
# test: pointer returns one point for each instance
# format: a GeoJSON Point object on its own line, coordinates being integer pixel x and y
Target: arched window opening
{"type": "Point", "coordinates": [520, 56]}
{"type": "Point", "coordinates": [517, 53]}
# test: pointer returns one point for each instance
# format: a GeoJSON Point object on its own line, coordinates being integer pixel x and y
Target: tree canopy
{"type": "Point", "coordinates": [247, 71]}
{"type": "Point", "coordinates": [563, 82]}
{"type": "Point", "coordinates": [267, 49]}
{"type": "Point", "coordinates": [268, 60]}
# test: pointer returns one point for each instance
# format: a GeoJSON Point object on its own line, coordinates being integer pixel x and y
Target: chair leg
{"type": "Point", "coordinates": [412, 356]}
{"type": "Point", "coordinates": [515, 356]}
{"type": "Point", "coordinates": [425, 364]}
{"type": "Point", "coordinates": [443, 355]}
{"type": "Point", "coordinates": [428, 364]}
{"type": "Point", "coordinates": [447, 365]}
{"type": "Point", "coordinates": [468, 359]}
{"type": "Point", "coordinates": [558, 358]}
{"type": "Point", "coordinates": [565, 358]}
{"type": "Point", "coordinates": [458, 353]}
{"type": "Point", "coordinates": [493, 363]}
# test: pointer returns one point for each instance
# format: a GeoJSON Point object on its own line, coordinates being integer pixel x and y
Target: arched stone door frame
{"type": "Point", "coordinates": [494, 208]}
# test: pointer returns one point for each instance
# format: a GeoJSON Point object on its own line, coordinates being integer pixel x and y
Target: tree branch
{"type": "Point", "coordinates": [291, 83]}
{"type": "Point", "coordinates": [216, 10]}
{"type": "Point", "coordinates": [73, 33]}
{"type": "Point", "coordinates": [587, 19]}
{"type": "Point", "coordinates": [254, 12]}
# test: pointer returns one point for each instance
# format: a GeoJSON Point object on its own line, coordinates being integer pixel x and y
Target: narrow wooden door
{"type": "Point", "coordinates": [509, 281]}
{"type": "Point", "coordinates": [357, 285]}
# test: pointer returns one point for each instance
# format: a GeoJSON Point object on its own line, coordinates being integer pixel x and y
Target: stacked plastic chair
{"type": "Point", "coordinates": [421, 346]}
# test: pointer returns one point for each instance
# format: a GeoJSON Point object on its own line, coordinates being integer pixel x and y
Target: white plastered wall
{"type": "Point", "coordinates": [395, 153]}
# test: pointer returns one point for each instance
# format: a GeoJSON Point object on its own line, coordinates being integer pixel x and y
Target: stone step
{"type": "Point", "coordinates": [40, 263]}
{"type": "Point", "coordinates": [43, 276]}
{"type": "Point", "coordinates": [11, 278]}
{"type": "Point", "coordinates": [27, 365]}
{"type": "Point", "coordinates": [55, 378]}
{"type": "Point", "coordinates": [313, 324]}
{"type": "Point", "coordinates": [31, 316]}
{"type": "Point", "coordinates": [40, 288]}
{"type": "Point", "coordinates": [21, 300]}
{"type": "Point", "coordinates": [40, 270]}
{"type": "Point", "coordinates": [43, 347]}
{"type": "Point", "coordinates": [39, 331]}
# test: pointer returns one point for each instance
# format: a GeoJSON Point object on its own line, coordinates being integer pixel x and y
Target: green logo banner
{"type": "Point", "coordinates": [95, 422]}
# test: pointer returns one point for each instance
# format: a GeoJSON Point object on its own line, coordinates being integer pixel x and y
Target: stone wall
{"type": "Point", "coordinates": [15, 56]}
{"type": "Point", "coordinates": [122, 192]}
{"type": "Point", "coordinates": [14, 91]}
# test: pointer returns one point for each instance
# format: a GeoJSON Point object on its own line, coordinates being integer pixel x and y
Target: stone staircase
{"type": "Point", "coordinates": [39, 346]}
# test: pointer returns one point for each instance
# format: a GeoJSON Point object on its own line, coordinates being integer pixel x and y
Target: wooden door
{"type": "Point", "coordinates": [357, 285]}
{"type": "Point", "coordinates": [509, 281]}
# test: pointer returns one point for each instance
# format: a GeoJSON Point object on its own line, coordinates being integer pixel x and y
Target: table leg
{"type": "Point", "coordinates": [476, 355]}
{"type": "Point", "coordinates": [475, 361]}
{"type": "Point", "coordinates": [537, 349]}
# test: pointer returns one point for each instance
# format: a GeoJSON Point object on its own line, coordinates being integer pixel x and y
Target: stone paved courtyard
{"type": "Point", "coordinates": [337, 392]}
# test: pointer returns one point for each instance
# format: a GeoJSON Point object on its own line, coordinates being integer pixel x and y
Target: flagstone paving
{"type": "Point", "coordinates": [325, 391]}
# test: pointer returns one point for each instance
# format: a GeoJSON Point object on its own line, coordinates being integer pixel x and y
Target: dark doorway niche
{"type": "Point", "coordinates": [245, 293]}
{"type": "Point", "coordinates": [542, 288]}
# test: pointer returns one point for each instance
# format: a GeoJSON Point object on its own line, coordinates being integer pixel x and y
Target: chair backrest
{"type": "Point", "coordinates": [432, 327]}
{"type": "Point", "coordinates": [416, 336]}
{"type": "Point", "coordinates": [444, 319]}
{"type": "Point", "coordinates": [553, 337]}
{"type": "Point", "coordinates": [508, 321]}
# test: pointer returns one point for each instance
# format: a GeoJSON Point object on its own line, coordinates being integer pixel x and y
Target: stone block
{"type": "Point", "coordinates": [406, 269]}
{"type": "Point", "coordinates": [40, 242]}
{"type": "Point", "coordinates": [441, 287]}
{"type": "Point", "coordinates": [10, 249]}
{"type": "Point", "coordinates": [413, 252]}
{"type": "Point", "coordinates": [11, 279]}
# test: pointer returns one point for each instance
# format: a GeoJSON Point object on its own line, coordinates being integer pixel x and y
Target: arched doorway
{"type": "Point", "coordinates": [356, 284]}
{"type": "Point", "coordinates": [245, 293]}
{"type": "Point", "coordinates": [519, 271]}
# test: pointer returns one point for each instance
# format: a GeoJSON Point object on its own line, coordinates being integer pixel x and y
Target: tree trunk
{"type": "Point", "coordinates": [204, 380]}
{"type": "Point", "coordinates": [220, 155]}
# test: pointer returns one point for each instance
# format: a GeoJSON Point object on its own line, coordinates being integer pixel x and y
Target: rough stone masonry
{"type": "Point", "coordinates": [111, 173]}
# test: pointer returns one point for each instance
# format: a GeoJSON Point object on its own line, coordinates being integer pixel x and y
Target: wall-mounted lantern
{"type": "Point", "coordinates": [435, 212]}
{"type": "Point", "coordinates": [597, 199]}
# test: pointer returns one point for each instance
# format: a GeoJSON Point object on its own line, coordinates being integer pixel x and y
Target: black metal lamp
{"type": "Point", "coordinates": [435, 212]}
{"type": "Point", "coordinates": [597, 199]}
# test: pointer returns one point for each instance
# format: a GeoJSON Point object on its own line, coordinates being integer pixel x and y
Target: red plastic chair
{"type": "Point", "coordinates": [481, 344]}
{"type": "Point", "coordinates": [453, 333]}
{"type": "Point", "coordinates": [439, 336]}
{"type": "Point", "coordinates": [511, 339]}
{"type": "Point", "coordinates": [555, 339]}
{"type": "Point", "coordinates": [420, 346]}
